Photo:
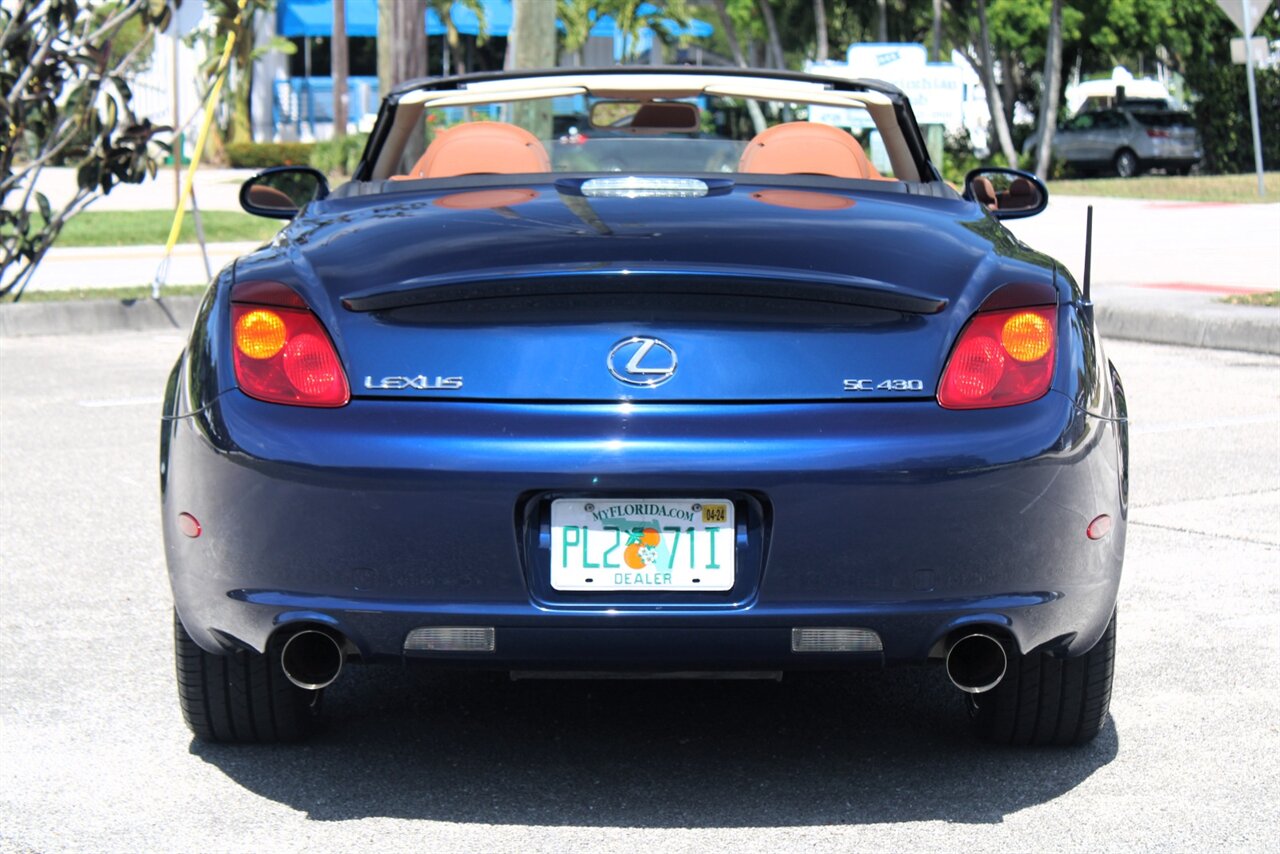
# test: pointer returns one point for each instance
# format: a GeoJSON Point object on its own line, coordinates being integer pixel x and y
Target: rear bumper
{"type": "Point", "coordinates": [902, 518]}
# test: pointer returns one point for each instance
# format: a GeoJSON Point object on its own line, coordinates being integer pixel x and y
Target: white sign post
{"type": "Point", "coordinates": [1246, 14]}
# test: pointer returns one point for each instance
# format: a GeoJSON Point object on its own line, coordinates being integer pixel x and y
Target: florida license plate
{"type": "Point", "coordinates": [642, 544]}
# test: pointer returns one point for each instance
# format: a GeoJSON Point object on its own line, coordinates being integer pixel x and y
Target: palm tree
{"type": "Point", "coordinates": [444, 10]}
{"type": "Point", "coordinates": [339, 59]}
{"type": "Point", "coordinates": [820, 24]}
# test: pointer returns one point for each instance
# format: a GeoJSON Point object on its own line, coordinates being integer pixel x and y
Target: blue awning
{"type": "Point", "coordinates": [315, 18]}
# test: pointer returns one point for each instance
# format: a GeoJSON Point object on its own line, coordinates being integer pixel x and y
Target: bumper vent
{"type": "Point", "coordinates": [835, 640]}
{"type": "Point", "coordinates": [450, 639]}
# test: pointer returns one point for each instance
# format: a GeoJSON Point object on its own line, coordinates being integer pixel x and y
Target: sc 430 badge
{"type": "Point", "coordinates": [884, 385]}
{"type": "Point", "coordinates": [419, 383]}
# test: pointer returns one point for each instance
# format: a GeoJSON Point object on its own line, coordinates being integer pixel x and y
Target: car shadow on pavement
{"type": "Point", "coordinates": [822, 749]}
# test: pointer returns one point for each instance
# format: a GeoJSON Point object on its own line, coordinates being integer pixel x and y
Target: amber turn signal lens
{"type": "Point", "coordinates": [1002, 358]}
{"type": "Point", "coordinates": [1027, 336]}
{"type": "Point", "coordinates": [260, 334]}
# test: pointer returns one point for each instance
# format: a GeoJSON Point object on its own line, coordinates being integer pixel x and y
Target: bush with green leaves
{"type": "Point", "coordinates": [64, 99]}
{"type": "Point", "coordinates": [339, 156]}
{"type": "Point", "coordinates": [261, 155]}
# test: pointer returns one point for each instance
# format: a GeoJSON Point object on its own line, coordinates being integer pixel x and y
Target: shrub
{"type": "Point", "coordinates": [339, 156]}
{"type": "Point", "coordinates": [260, 155]}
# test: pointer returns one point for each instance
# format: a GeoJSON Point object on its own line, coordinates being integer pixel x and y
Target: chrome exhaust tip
{"type": "Point", "coordinates": [312, 659]}
{"type": "Point", "coordinates": [976, 663]}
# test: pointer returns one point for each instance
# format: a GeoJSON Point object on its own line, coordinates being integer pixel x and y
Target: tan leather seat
{"type": "Point", "coordinates": [1021, 195]}
{"type": "Point", "coordinates": [481, 148]}
{"type": "Point", "coordinates": [984, 192]}
{"type": "Point", "coordinates": [807, 148]}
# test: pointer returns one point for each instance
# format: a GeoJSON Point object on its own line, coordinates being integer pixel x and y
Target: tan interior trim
{"type": "Point", "coordinates": [468, 97]}
{"type": "Point", "coordinates": [827, 97]}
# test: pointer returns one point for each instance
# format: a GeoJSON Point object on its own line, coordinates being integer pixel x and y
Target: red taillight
{"type": "Point", "coordinates": [1156, 133]}
{"type": "Point", "coordinates": [1002, 358]}
{"type": "Point", "coordinates": [283, 354]}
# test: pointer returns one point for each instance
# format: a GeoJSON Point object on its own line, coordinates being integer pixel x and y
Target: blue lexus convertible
{"type": "Point", "coordinates": [645, 371]}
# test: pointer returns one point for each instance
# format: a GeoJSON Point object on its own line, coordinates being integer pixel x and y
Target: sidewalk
{"type": "Point", "coordinates": [127, 266]}
{"type": "Point", "coordinates": [215, 189]}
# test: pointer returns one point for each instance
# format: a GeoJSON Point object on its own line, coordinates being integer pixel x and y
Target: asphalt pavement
{"type": "Point", "coordinates": [94, 755]}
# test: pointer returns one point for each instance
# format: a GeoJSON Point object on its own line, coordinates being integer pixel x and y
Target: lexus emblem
{"type": "Point", "coordinates": [642, 361]}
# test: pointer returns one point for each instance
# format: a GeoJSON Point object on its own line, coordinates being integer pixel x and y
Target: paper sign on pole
{"type": "Point", "coordinates": [1258, 45]}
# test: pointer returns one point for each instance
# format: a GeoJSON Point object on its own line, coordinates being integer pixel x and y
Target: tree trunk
{"type": "Point", "coordinates": [994, 102]}
{"type": "Point", "coordinates": [820, 24]}
{"type": "Point", "coordinates": [1052, 84]}
{"type": "Point", "coordinates": [402, 42]}
{"type": "Point", "coordinates": [731, 36]}
{"type": "Point", "coordinates": [456, 51]}
{"type": "Point", "coordinates": [532, 44]}
{"type": "Point", "coordinates": [882, 20]}
{"type": "Point", "coordinates": [339, 58]}
{"type": "Point", "coordinates": [779, 60]}
{"type": "Point", "coordinates": [400, 25]}
{"type": "Point", "coordinates": [241, 127]}
{"type": "Point", "coordinates": [1009, 85]}
{"type": "Point", "coordinates": [937, 30]}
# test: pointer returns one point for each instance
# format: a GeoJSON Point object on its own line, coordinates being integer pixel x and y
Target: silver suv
{"type": "Point", "coordinates": [1126, 141]}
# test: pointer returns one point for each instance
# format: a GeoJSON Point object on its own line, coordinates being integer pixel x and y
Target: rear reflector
{"type": "Point", "coordinates": [189, 525]}
{"type": "Point", "coordinates": [1099, 527]}
{"type": "Point", "coordinates": [835, 640]}
{"type": "Point", "coordinates": [450, 639]}
{"type": "Point", "coordinates": [1002, 358]}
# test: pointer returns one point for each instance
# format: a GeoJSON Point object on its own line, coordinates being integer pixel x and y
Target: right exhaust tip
{"type": "Point", "coordinates": [976, 663]}
{"type": "Point", "coordinates": [312, 659]}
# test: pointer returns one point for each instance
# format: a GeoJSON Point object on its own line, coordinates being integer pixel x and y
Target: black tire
{"type": "Point", "coordinates": [1126, 164]}
{"type": "Point", "coordinates": [1045, 701]}
{"type": "Point", "coordinates": [1182, 170]}
{"type": "Point", "coordinates": [240, 697]}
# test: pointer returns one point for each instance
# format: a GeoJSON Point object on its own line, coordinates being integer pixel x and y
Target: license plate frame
{"type": "Point", "coordinates": [683, 544]}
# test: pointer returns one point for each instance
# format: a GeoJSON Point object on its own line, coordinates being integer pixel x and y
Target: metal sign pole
{"type": "Point", "coordinates": [1253, 98]}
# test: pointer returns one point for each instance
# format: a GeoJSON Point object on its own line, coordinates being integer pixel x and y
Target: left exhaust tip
{"type": "Point", "coordinates": [976, 663]}
{"type": "Point", "coordinates": [312, 659]}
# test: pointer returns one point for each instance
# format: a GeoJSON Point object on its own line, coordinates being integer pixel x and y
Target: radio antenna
{"type": "Point", "coordinates": [1088, 250]}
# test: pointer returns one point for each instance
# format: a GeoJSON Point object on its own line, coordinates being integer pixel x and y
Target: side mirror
{"type": "Point", "coordinates": [282, 191]}
{"type": "Point", "coordinates": [1006, 193]}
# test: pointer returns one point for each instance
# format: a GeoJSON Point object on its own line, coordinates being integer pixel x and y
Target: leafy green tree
{"type": "Point", "coordinates": [1221, 98]}
{"type": "Point", "coordinates": [444, 10]}
{"type": "Point", "coordinates": [65, 99]}
{"type": "Point", "coordinates": [226, 18]}
{"type": "Point", "coordinates": [629, 16]}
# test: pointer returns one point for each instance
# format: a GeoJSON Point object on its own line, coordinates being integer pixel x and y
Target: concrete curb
{"type": "Point", "coordinates": [1254, 330]}
{"type": "Point", "coordinates": [75, 317]}
{"type": "Point", "coordinates": [1247, 328]}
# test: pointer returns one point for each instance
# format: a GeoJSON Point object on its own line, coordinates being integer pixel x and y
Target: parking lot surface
{"type": "Point", "coordinates": [94, 755]}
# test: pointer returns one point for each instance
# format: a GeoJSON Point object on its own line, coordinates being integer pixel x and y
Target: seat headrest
{"type": "Point", "coordinates": [481, 148]}
{"type": "Point", "coordinates": [984, 191]}
{"type": "Point", "coordinates": [807, 148]}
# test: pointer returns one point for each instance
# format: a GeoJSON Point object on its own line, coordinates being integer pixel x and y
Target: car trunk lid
{"type": "Point", "coordinates": [544, 296]}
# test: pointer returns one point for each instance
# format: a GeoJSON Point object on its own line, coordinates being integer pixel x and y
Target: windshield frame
{"type": "Point", "coordinates": [405, 104]}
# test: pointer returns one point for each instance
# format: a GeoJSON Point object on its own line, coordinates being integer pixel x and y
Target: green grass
{"type": "Point", "coordinates": [131, 293]}
{"type": "Point", "coordinates": [1271, 299]}
{"type": "Point", "coordinates": [1182, 188]}
{"type": "Point", "coordinates": [134, 228]}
